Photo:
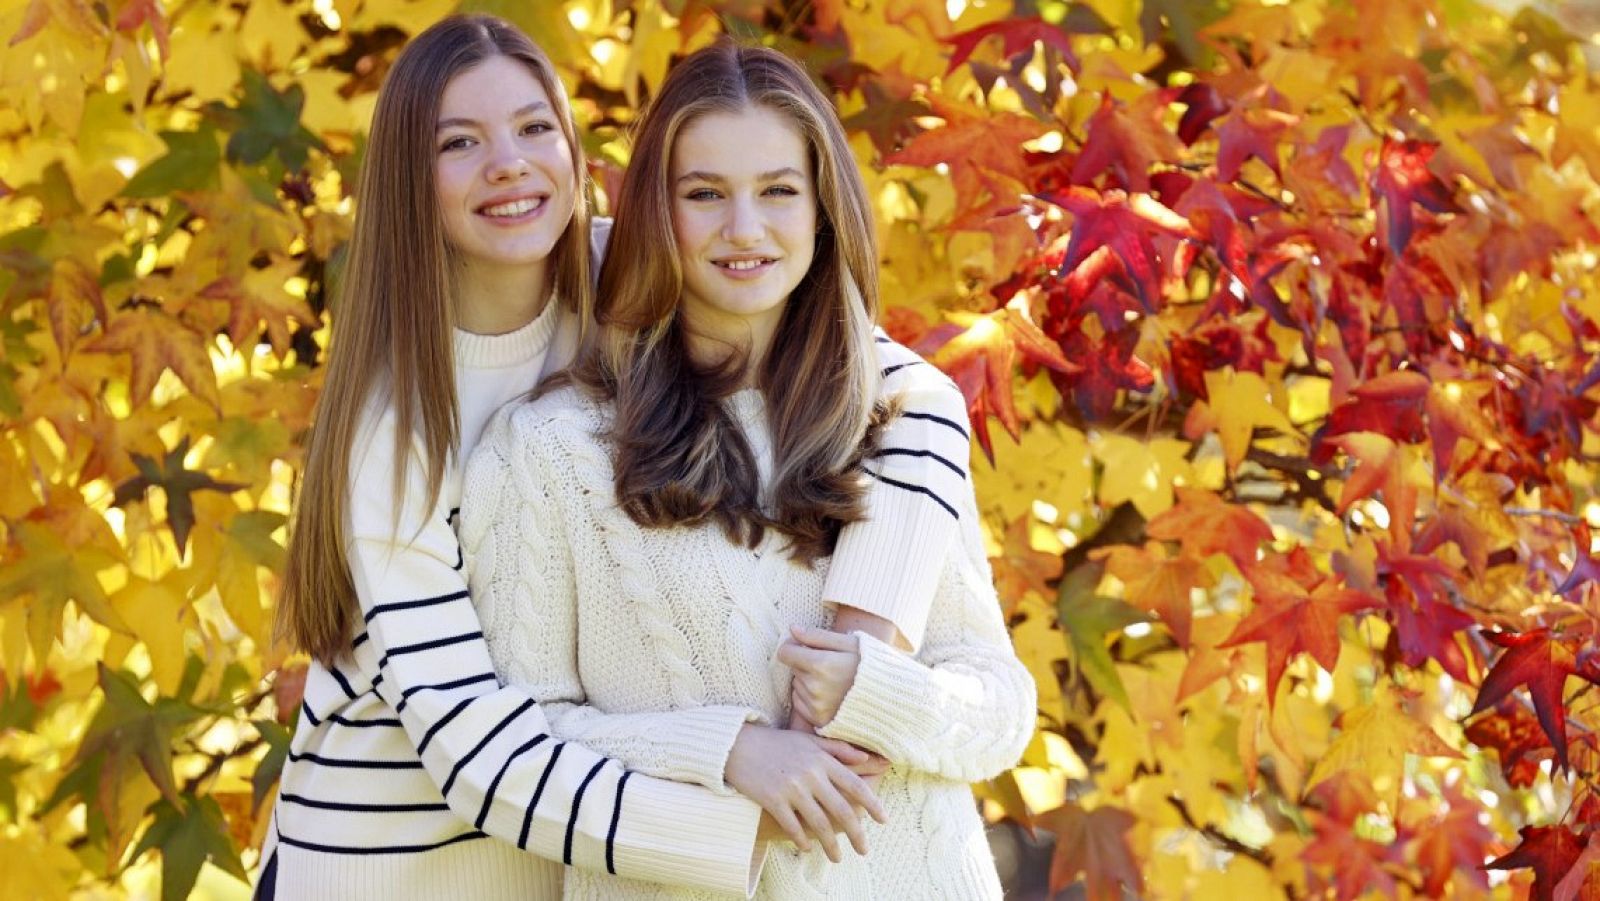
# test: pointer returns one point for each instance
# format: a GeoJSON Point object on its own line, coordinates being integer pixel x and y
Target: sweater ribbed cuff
{"type": "Point", "coordinates": [888, 564]}
{"type": "Point", "coordinates": [698, 741]}
{"type": "Point", "coordinates": [681, 835]}
{"type": "Point", "coordinates": [883, 702]}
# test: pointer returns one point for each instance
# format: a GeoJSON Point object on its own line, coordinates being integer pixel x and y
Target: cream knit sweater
{"type": "Point", "coordinates": [654, 646]}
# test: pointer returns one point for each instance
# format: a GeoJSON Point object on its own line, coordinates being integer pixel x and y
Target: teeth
{"type": "Point", "coordinates": [514, 208]}
{"type": "Point", "coordinates": [742, 265]}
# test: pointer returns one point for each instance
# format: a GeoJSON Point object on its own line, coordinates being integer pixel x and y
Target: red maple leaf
{"type": "Point", "coordinates": [1093, 843]}
{"type": "Point", "coordinates": [1205, 524]}
{"type": "Point", "coordinates": [1586, 568]}
{"type": "Point", "coordinates": [1202, 103]}
{"type": "Point", "coordinates": [1126, 224]}
{"type": "Point", "coordinates": [1114, 368]}
{"type": "Point", "coordinates": [1542, 662]}
{"type": "Point", "coordinates": [1019, 36]}
{"type": "Point", "coordinates": [138, 12]}
{"type": "Point", "coordinates": [1297, 610]}
{"type": "Point", "coordinates": [1550, 851]}
{"type": "Point", "coordinates": [1401, 178]}
{"type": "Point", "coordinates": [971, 141]}
{"type": "Point", "coordinates": [1127, 139]}
{"type": "Point", "coordinates": [1390, 404]}
{"type": "Point", "coordinates": [1454, 842]}
{"type": "Point", "coordinates": [1515, 736]}
{"type": "Point", "coordinates": [1247, 133]}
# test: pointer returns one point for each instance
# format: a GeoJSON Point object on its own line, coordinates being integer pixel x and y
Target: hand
{"type": "Point", "coordinates": [870, 770]}
{"type": "Point", "coordinates": [806, 784]}
{"type": "Point", "coordinates": [824, 665]}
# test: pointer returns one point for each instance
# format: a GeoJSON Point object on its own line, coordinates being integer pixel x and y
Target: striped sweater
{"type": "Point", "coordinates": [414, 774]}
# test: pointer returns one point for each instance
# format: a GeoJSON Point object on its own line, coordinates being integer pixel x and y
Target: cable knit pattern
{"type": "Point", "coordinates": [599, 619]}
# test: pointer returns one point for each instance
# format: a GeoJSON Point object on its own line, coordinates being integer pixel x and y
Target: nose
{"type": "Point", "coordinates": [508, 163]}
{"type": "Point", "coordinates": [743, 225]}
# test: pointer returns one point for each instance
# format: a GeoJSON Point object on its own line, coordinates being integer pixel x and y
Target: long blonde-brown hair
{"type": "Point", "coordinates": [395, 313]}
{"type": "Point", "coordinates": [681, 459]}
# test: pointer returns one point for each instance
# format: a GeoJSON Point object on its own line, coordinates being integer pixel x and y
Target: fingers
{"type": "Point", "coordinates": [800, 658]}
{"type": "Point", "coordinates": [820, 825]}
{"type": "Point", "coordinates": [802, 705]}
{"type": "Point", "coordinates": [790, 824]}
{"type": "Point", "coordinates": [823, 639]}
{"type": "Point", "coordinates": [874, 765]}
{"type": "Point", "coordinates": [856, 790]}
{"type": "Point", "coordinates": [844, 752]}
{"type": "Point", "coordinates": [845, 817]}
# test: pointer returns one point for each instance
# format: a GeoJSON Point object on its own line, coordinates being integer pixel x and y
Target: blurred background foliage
{"type": "Point", "coordinates": [1286, 309]}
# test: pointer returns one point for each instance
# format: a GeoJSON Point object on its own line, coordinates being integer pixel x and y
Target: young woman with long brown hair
{"type": "Point", "coordinates": [413, 773]}
{"type": "Point", "coordinates": [650, 542]}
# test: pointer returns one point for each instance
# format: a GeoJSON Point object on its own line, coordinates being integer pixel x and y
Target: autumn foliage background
{"type": "Point", "coordinates": [1278, 324]}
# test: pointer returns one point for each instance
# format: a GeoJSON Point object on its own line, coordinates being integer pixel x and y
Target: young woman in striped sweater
{"type": "Point", "coordinates": [649, 543]}
{"type": "Point", "coordinates": [413, 773]}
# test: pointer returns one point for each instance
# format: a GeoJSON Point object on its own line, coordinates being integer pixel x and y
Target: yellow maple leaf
{"type": "Point", "coordinates": [1374, 740]}
{"type": "Point", "coordinates": [1143, 472]}
{"type": "Point", "coordinates": [1240, 403]}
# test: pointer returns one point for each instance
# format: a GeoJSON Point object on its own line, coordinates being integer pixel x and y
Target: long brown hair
{"type": "Point", "coordinates": [681, 459]}
{"type": "Point", "coordinates": [395, 314]}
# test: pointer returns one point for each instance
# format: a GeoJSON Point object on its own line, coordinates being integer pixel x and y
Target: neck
{"type": "Point", "coordinates": [712, 337]}
{"type": "Point", "coordinates": [493, 300]}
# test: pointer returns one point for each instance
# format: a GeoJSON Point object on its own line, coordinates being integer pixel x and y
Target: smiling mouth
{"type": "Point", "coordinates": [743, 265]}
{"type": "Point", "coordinates": [511, 209]}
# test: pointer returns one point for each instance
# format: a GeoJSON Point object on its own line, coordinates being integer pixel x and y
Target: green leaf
{"type": "Point", "coordinates": [271, 767]}
{"type": "Point", "coordinates": [1088, 618]}
{"type": "Point", "coordinates": [44, 566]}
{"type": "Point", "coordinates": [128, 725]}
{"type": "Point", "coordinates": [191, 164]}
{"type": "Point", "coordinates": [265, 122]}
{"type": "Point", "coordinates": [189, 834]}
{"type": "Point", "coordinates": [10, 769]}
{"type": "Point", "coordinates": [179, 482]}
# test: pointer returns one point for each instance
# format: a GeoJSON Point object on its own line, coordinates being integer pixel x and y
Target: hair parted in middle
{"type": "Point", "coordinates": [680, 458]}
{"type": "Point", "coordinates": [394, 312]}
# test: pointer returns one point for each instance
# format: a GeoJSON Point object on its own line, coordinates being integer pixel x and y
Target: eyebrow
{"type": "Point", "coordinates": [774, 175]}
{"type": "Point", "coordinates": [518, 113]}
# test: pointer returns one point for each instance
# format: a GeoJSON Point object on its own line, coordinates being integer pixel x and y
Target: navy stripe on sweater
{"type": "Point", "coordinates": [577, 801]}
{"type": "Point", "coordinates": [357, 764]}
{"type": "Point", "coordinates": [383, 849]}
{"type": "Point", "coordinates": [442, 686]}
{"type": "Point", "coordinates": [363, 808]}
{"type": "Point", "coordinates": [488, 798]}
{"type": "Point", "coordinates": [914, 488]}
{"type": "Point", "coordinates": [909, 452]}
{"type": "Point", "coordinates": [499, 727]}
{"type": "Point", "coordinates": [412, 605]}
{"type": "Point", "coordinates": [533, 803]}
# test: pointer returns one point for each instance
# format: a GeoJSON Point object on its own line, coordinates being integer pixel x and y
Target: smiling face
{"type": "Point", "coordinates": [503, 169]}
{"type": "Point", "coordinates": [744, 211]}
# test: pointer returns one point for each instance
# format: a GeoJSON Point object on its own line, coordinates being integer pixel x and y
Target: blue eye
{"type": "Point", "coordinates": [701, 194]}
{"type": "Point", "coordinates": [782, 191]}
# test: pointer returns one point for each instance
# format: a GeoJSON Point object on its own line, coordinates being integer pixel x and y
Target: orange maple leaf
{"type": "Point", "coordinates": [1297, 610]}
{"type": "Point", "coordinates": [157, 342]}
{"type": "Point", "coordinates": [1093, 843]}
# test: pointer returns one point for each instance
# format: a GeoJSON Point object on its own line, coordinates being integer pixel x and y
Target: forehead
{"type": "Point", "coordinates": [752, 140]}
{"type": "Point", "coordinates": [494, 89]}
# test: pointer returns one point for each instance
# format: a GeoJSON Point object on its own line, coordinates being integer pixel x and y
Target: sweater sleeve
{"type": "Point", "coordinates": [523, 583]}
{"type": "Point", "coordinates": [919, 474]}
{"type": "Point", "coordinates": [964, 706]}
{"type": "Point", "coordinates": [489, 747]}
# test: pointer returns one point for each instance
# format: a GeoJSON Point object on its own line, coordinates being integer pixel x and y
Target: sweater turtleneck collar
{"type": "Point", "coordinates": [511, 348]}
